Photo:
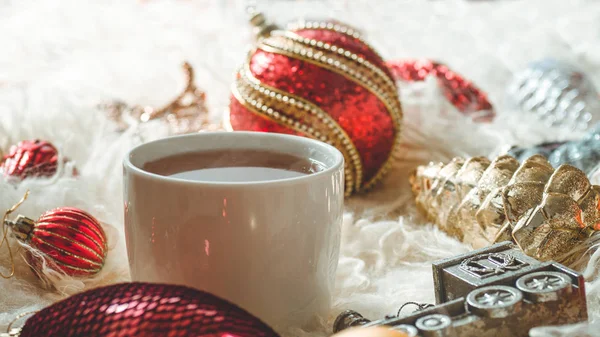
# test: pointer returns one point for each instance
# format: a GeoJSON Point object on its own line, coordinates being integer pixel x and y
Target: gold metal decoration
{"type": "Point", "coordinates": [549, 213]}
{"type": "Point", "coordinates": [186, 113]}
{"type": "Point", "coordinates": [15, 332]}
{"type": "Point", "coordinates": [5, 226]}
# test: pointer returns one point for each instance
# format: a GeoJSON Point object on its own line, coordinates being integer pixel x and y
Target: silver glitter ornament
{"type": "Point", "coordinates": [583, 154]}
{"type": "Point", "coordinates": [595, 175]}
{"type": "Point", "coordinates": [557, 94]}
{"type": "Point", "coordinates": [545, 149]}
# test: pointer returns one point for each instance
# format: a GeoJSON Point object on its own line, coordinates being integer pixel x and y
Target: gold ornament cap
{"type": "Point", "coordinates": [261, 26]}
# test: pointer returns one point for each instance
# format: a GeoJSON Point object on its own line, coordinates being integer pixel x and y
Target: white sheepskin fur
{"type": "Point", "coordinates": [59, 59]}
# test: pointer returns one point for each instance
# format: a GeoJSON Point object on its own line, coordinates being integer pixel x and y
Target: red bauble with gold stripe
{"type": "Point", "coordinates": [70, 240]}
{"type": "Point", "coordinates": [321, 80]}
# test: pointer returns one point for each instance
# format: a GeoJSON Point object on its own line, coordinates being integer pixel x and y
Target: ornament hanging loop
{"type": "Point", "coordinates": [5, 225]}
{"type": "Point", "coordinates": [420, 306]}
{"type": "Point", "coordinates": [261, 26]}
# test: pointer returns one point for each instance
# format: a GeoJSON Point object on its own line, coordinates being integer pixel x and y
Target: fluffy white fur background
{"type": "Point", "coordinates": [58, 59]}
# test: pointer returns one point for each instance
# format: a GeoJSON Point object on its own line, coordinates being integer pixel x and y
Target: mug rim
{"type": "Point", "coordinates": [338, 159]}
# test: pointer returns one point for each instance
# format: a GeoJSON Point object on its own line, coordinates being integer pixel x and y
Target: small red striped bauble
{"type": "Point", "coordinates": [31, 159]}
{"type": "Point", "coordinates": [69, 239]}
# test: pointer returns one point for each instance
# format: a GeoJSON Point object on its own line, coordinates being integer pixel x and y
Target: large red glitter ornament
{"type": "Point", "coordinates": [463, 94]}
{"type": "Point", "coordinates": [67, 239]}
{"type": "Point", "coordinates": [144, 310]}
{"type": "Point", "coordinates": [321, 80]}
{"type": "Point", "coordinates": [31, 158]}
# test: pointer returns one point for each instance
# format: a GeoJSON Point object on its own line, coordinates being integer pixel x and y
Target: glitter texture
{"type": "Point", "coordinates": [463, 94]}
{"type": "Point", "coordinates": [142, 309]}
{"type": "Point", "coordinates": [583, 153]}
{"type": "Point", "coordinates": [544, 149]}
{"type": "Point", "coordinates": [354, 45]}
{"type": "Point", "coordinates": [242, 119]}
{"type": "Point", "coordinates": [556, 93]}
{"type": "Point", "coordinates": [359, 109]}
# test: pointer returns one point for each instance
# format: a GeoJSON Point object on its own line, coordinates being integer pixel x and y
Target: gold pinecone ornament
{"type": "Point", "coordinates": [549, 213]}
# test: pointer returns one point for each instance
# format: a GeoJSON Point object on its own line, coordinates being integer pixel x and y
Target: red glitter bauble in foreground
{"type": "Point", "coordinates": [463, 94]}
{"type": "Point", "coordinates": [320, 80]}
{"type": "Point", "coordinates": [31, 158]}
{"type": "Point", "coordinates": [68, 239]}
{"type": "Point", "coordinates": [144, 310]}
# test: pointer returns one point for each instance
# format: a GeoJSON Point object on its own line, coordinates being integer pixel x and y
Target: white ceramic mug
{"type": "Point", "coordinates": [271, 247]}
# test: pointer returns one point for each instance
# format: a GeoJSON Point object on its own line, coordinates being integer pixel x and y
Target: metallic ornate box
{"type": "Point", "coordinates": [495, 291]}
{"type": "Point", "coordinates": [499, 264]}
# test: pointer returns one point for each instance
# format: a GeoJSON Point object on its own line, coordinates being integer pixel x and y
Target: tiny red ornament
{"type": "Point", "coordinates": [31, 158]}
{"type": "Point", "coordinates": [463, 94]}
{"type": "Point", "coordinates": [144, 309]}
{"type": "Point", "coordinates": [321, 80]}
{"type": "Point", "coordinates": [68, 239]}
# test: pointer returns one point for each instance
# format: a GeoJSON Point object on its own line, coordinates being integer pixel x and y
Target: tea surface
{"type": "Point", "coordinates": [233, 166]}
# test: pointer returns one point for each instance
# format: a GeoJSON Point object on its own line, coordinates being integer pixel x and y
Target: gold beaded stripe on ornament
{"type": "Point", "coordinates": [252, 106]}
{"type": "Point", "coordinates": [73, 242]}
{"type": "Point", "coordinates": [336, 27]}
{"type": "Point", "coordinates": [296, 107]}
{"type": "Point", "coordinates": [356, 73]}
{"type": "Point", "coordinates": [379, 76]}
{"type": "Point", "coordinates": [393, 106]}
{"type": "Point", "coordinates": [250, 100]}
{"type": "Point", "coordinates": [334, 63]}
{"type": "Point", "coordinates": [40, 225]}
{"type": "Point", "coordinates": [302, 106]}
{"type": "Point", "coordinates": [244, 96]}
